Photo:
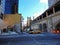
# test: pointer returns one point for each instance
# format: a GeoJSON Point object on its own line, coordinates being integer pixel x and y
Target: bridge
{"type": "Point", "coordinates": [49, 20]}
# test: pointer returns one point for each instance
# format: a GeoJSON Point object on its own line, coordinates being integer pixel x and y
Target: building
{"type": "Point", "coordinates": [27, 26]}
{"type": "Point", "coordinates": [8, 6]}
{"type": "Point", "coordinates": [13, 22]}
{"type": "Point", "coordinates": [49, 20]}
{"type": "Point", "coordinates": [52, 2]}
{"type": "Point", "coordinates": [28, 21]}
{"type": "Point", "coordinates": [9, 15]}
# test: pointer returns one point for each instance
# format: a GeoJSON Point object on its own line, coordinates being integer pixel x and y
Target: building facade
{"type": "Point", "coordinates": [9, 15]}
{"type": "Point", "coordinates": [28, 21]}
{"type": "Point", "coordinates": [8, 6]}
{"type": "Point", "coordinates": [52, 2]}
{"type": "Point", "coordinates": [49, 20]}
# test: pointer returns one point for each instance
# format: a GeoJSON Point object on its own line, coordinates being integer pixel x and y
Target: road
{"type": "Point", "coordinates": [30, 39]}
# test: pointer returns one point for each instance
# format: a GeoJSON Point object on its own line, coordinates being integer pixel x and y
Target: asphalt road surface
{"type": "Point", "coordinates": [30, 39]}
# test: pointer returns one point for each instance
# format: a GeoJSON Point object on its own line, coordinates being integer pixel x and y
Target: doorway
{"type": "Point", "coordinates": [44, 27]}
{"type": "Point", "coordinates": [58, 26]}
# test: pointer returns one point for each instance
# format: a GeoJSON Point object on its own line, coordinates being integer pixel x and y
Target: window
{"type": "Point", "coordinates": [44, 15]}
{"type": "Point", "coordinates": [14, 8]}
{"type": "Point", "coordinates": [57, 8]}
{"type": "Point", "coordinates": [50, 11]}
{"type": "Point", "coordinates": [40, 26]}
{"type": "Point", "coordinates": [1, 16]}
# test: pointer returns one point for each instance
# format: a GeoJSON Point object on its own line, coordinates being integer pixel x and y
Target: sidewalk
{"type": "Point", "coordinates": [10, 33]}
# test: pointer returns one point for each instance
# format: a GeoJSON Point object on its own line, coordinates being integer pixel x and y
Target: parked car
{"type": "Point", "coordinates": [56, 31]}
{"type": "Point", "coordinates": [35, 31]}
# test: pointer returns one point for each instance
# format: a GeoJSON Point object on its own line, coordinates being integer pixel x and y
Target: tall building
{"type": "Point", "coordinates": [9, 6]}
{"type": "Point", "coordinates": [52, 2]}
{"type": "Point", "coordinates": [9, 15]}
{"type": "Point", "coordinates": [28, 21]}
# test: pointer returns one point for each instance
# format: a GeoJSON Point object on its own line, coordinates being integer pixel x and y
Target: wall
{"type": "Point", "coordinates": [11, 19]}
{"type": "Point", "coordinates": [17, 27]}
{"type": "Point", "coordinates": [51, 22]}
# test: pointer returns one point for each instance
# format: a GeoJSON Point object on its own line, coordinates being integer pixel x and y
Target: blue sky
{"type": "Point", "coordinates": [32, 7]}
